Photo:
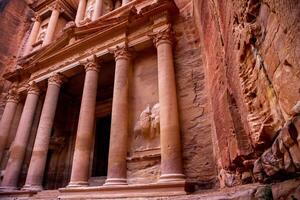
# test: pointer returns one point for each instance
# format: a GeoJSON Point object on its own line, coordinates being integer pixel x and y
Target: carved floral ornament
{"type": "Point", "coordinates": [165, 35]}
{"type": "Point", "coordinates": [57, 6]}
{"type": "Point", "coordinates": [13, 95]}
{"type": "Point", "coordinates": [32, 88]}
{"type": "Point", "coordinates": [121, 52]}
{"type": "Point", "coordinates": [91, 64]}
{"type": "Point", "coordinates": [57, 79]}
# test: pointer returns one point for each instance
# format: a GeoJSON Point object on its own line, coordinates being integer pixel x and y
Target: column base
{"type": "Point", "coordinates": [115, 181]}
{"type": "Point", "coordinates": [78, 184]}
{"type": "Point", "coordinates": [8, 188]}
{"type": "Point", "coordinates": [35, 188]}
{"type": "Point", "coordinates": [171, 178]}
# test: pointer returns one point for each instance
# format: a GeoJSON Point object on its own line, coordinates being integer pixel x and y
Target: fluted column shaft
{"type": "Point", "coordinates": [117, 166]}
{"type": "Point", "coordinates": [33, 35]}
{"type": "Point", "coordinates": [80, 11]}
{"type": "Point", "coordinates": [7, 118]}
{"type": "Point", "coordinates": [171, 161]}
{"type": "Point", "coordinates": [38, 160]}
{"type": "Point", "coordinates": [85, 130]}
{"type": "Point", "coordinates": [52, 24]}
{"type": "Point", "coordinates": [97, 9]}
{"type": "Point", "coordinates": [18, 149]}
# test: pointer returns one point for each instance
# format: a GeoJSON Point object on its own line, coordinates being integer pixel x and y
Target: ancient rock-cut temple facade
{"type": "Point", "coordinates": [109, 99]}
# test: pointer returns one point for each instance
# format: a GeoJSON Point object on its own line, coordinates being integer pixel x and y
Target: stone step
{"type": "Point", "coordinates": [47, 195]}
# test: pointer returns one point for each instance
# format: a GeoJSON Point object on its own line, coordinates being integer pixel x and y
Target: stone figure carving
{"type": "Point", "coordinates": [147, 128]}
{"type": "Point", "coordinates": [42, 32]}
{"type": "Point", "coordinates": [89, 10]}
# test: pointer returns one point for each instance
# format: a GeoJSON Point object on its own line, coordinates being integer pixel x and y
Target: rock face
{"type": "Point", "coordinates": [251, 50]}
{"type": "Point", "coordinates": [15, 16]}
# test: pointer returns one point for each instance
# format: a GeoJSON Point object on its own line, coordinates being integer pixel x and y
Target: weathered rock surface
{"type": "Point", "coordinates": [282, 159]}
{"type": "Point", "coordinates": [15, 16]}
{"type": "Point", "coordinates": [251, 51]}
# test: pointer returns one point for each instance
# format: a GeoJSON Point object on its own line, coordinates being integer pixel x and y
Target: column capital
{"type": "Point", "coordinates": [91, 64]}
{"type": "Point", "coordinates": [37, 18]}
{"type": "Point", "coordinates": [13, 95]}
{"type": "Point", "coordinates": [32, 88]}
{"type": "Point", "coordinates": [121, 52]}
{"type": "Point", "coordinates": [57, 6]}
{"type": "Point", "coordinates": [56, 79]}
{"type": "Point", "coordinates": [165, 35]}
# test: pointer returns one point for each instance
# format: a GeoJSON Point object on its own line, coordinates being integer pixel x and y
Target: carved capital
{"type": "Point", "coordinates": [13, 95]}
{"type": "Point", "coordinates": [165, 35]}
{"type": "Point", "coordinates": [37, 18]}
{"type": "Point", "coordinates": [32, 88]}
{"type": "Point", "coordinates": [121, 52]}
{"type": "Point", "coordinates": [56, 79]}
{"type": "Point", "coordinates": [91, 64]}
{"type": "Point", "coordinates": [57, 6]}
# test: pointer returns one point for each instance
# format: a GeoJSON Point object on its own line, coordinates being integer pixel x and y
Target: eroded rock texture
{"type": "Point", "coordinates": [15, 16]}
{"type": "Point", "coordinates": [251, 50]}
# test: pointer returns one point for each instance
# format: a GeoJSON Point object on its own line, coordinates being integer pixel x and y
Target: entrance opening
{"type": "Point", "coordinates": [101, 147]}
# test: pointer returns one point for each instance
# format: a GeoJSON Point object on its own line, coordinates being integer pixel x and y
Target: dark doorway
{"type": "Point", "coordinates": [101, 147]}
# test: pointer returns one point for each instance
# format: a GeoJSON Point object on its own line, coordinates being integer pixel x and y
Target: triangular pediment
{"type": "Point", "coordinates": [79, 33]}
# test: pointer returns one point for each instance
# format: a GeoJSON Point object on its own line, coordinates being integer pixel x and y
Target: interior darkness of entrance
{"type": "Point", "coordinates": [101, 147]}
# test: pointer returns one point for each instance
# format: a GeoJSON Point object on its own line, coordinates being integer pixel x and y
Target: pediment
{"type": "Point", "coordinates": [78, 33]}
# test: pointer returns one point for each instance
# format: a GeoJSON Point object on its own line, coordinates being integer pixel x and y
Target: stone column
{"type": "Point", "coordinates": [171, 161]}
{"type": "Point", "coordinates": [18, 148]}
{"type": "Point", "coordinates": [56, 9]}
{"type": "Point", "coordinates": [117, 166]}
{"type": "Point", "coordinates": [85, 130]}
{"type": "Point", "coordinates": [80, 11]}
{"type": "Point", "coordinates": [124, 2]}
{"type": "Point", "coordinates": [38, 160]}
{"type": "Point", "coordinates": [33, 35]}
{"type": "Point", "coordinates": [7, 117]}
{"type": "Point", "coordinates": [97, 9]}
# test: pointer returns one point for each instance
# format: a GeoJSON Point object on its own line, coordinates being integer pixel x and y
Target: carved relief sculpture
{"type": "Point", "coordinates": [146, 131]}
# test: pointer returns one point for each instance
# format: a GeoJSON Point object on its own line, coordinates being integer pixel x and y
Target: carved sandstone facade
{"type": "Point", "coordinates": [144, 98]}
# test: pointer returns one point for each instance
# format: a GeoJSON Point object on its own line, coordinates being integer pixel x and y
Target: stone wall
{"type": "Point", "coordinates": [251, 51]}
{"type": "Point", "coordinates": [193, 100]}
{"type": "Point", "coordinates": [15, 16]}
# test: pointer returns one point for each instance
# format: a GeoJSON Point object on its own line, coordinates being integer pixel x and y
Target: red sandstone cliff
{"type": "Point", "coordinates": [15, 17]}
{"type": "Point", "coordinates": [251, 51]}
